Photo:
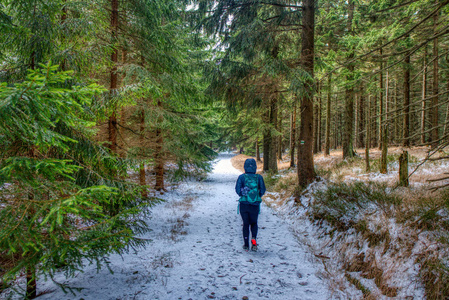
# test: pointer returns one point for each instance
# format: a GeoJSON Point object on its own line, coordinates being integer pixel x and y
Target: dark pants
{"type": "Point", "coordinates": [249, 214]}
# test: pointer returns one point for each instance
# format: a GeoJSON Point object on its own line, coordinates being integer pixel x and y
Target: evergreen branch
{"type": "Point", "coordinates": [282, 5]}
{"type": "Point", "coordinates": [397, 6]}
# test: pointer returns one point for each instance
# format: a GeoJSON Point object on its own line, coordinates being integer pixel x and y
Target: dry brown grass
{"type": "Point", "coordinates": [335, 168]}
{"type": "Point", "coordinates": [368, 268]}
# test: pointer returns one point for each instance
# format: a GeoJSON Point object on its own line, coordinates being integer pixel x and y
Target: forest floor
{"type": "Point", "coordinates": [383, 251]}
{"type": "Point", "coordinates": [196, 253]}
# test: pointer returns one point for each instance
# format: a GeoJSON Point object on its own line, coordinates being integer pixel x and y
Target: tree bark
{"type": "Point", "coordinates": [406, 125]}
{"type": "Point", "coordinates": [112, 122]}
{"type": "Point", "coordinates": [403, 169]}
{"type": "Point", "coordinates": [316, 126]}
{"type": "Point", "coordinates": [328, 117]}
{"type": "Point", "coordinates": [423, 97]}
{"type": "Point", "coordinates": [362, 117]}
{"type": "Point", "coordinates": [257, 150]}
{"type": "Point", "coordinates": [159, 156]}
{"type": "Point", "coordinates": [280, 142]}
{"type": "Point", "coordinates": [434, 132]}
{"type": "Point", "coordinates": [348, 139]}
{"type": "Point", "coordinates": [272, 162]}
{"type": "Point", "coordinates": [293, 137]}
{"type": "Point", "coordinates": [368, 135]}
{"type": "Point", "coordinates": [319, 129]}
{"type": "Point", "coordinates": [446, 127]}
{"type": "Point", "coordinates": [383, 157]}
{"type": "Point", "coordinates": [306, 171]}
{"type": "Point", "coordinates": [266, 142]}
{"type": "Point", "coordinates": [381, 101]}
{"type": "Point", "coordinates": [142, 173]}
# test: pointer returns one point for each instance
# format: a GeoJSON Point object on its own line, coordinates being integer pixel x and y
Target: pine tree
{"type": "Point", "coordinates": [57, 185]}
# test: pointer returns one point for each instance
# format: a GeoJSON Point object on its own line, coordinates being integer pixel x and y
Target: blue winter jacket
{"type": "Point", "coordinates": [250, 167]}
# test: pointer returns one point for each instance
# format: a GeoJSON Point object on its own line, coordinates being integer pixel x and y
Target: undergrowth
{"type": "Point", "coordinates": [362, 209]}
{"type": "Point", "coordinates": [343, 205]}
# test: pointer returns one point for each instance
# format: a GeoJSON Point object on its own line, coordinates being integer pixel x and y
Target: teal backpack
{"type": "Point", "coordinates": [250, 192]}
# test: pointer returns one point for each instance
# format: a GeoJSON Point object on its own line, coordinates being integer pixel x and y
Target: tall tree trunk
{"type": "Point", "coordinates": [159, 155]}
{"type": "Point", "coordinates": [381, 102]}
{"type": "Point", "coordinates": [280, 139]}
{"type": "Point", "coordinates": [406, 125]}
{"type": "Point", "coordinates": [356, 119]}
{"type": "Point", "coordinates": [397, 119]}
{"type": "Point", "coordinates": [293, 137]}
{"type": "Point", "coordinates": [306, 171]}
{"type": "Point", "coordinates": [142, 173]}
{"type": "Point", "coordinates": [336, 127]}
{"type": "Point", "coordinates": [434, 132]}
{"type": "Point", "coordinates": [374, 124]}
{"type": "Point", "coordinates": [272, 162]}
{"type": "Point", "coordinates": [362, 117]}
{"type": "Point", "coordinates": [446, 125]}
{"type": "Point", "coordinates": [316, 119]}
{"type": "Point", "coordinates": [423, 97]}
{"type": "Point", "coordinates": [403, 169]}
{"type": "Point", "coordinates": [368, 135]}
{"type": "Point", "coordinates": [319, 123]}
{"type": "Point", "coordinates": [257, 150]}
{"type": "Point", "coordinates": [328, 117]}
{"type": "Point", "coordinates": [63, 20]}
{"type": "Point", "coordinates": [315, 128]}
{"type": "Point", "coordinates": [112, 122]}
{"type": "Point", "coordinates": [266, 141]}
{"type": "Point", "coordinates": [383, 156]}
{"type": "Point", "coordinates": [121, 131]}
{"type": "Point", "coordinates": [348, 143]}
{"type": "Point", "coordinates": [387, 99]}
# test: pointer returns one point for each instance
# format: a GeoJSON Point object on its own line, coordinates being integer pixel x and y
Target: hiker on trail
{"type": "Point", "coordinates": [250, 187]}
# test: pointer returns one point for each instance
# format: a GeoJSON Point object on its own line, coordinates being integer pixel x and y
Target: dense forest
{"type": "Point", "coordinates": [103, 102]}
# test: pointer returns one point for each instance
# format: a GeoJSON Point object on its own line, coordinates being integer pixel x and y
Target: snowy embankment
{"type": "Point", "coordinates": [196, 253]}
{"type": "Point", "coordinates": [378, 261]}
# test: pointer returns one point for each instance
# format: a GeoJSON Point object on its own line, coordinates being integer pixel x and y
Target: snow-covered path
{"type": "Point", "coordinates": [196, 253]}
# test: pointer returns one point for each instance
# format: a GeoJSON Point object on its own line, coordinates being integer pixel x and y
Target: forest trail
{"type": "Point", "coordinates": [196, 253]}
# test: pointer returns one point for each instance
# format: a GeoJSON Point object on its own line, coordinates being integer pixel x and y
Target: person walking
{"type": "Point", "coordinates": [250, 187]}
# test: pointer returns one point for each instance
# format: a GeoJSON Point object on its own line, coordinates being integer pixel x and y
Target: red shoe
{"type": "Point", "coordinates": [253, 245]}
